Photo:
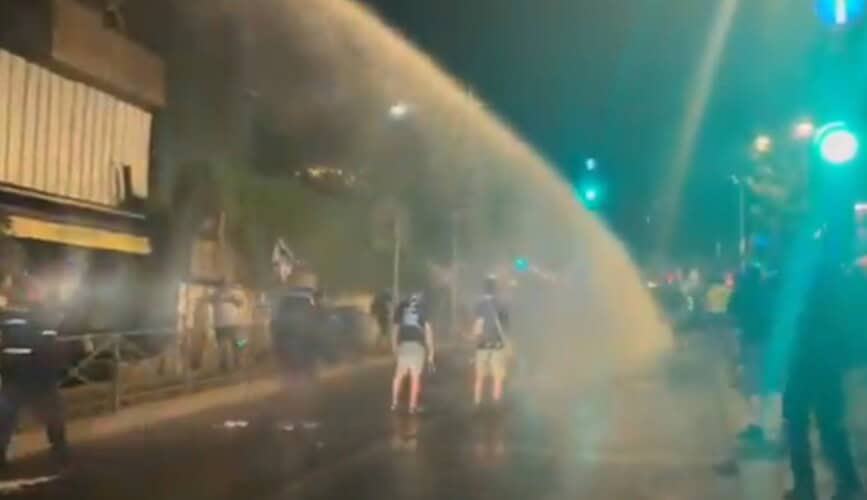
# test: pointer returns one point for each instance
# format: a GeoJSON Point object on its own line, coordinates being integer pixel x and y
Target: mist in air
{"type": "Point", "coordinates": [263, 90]}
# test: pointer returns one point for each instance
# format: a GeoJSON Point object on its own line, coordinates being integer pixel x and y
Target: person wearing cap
{"type": "Point", "coordinates": [489, 328]}
{"type": "Point", "coordinates": [412, 342]}
{"type": "Point", "coordinates": [30, 365]}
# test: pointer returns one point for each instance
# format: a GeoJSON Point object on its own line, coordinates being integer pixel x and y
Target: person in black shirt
{"type": "Point", "coordinates": [817, 366]}
{"type": "Point", "coordinates": [30, 365]}
{"type": "Point", "coordinates": [412, 342]}
{"type": "Point", "coordinates": [752, 306]}
{"type": "Point", "coordinates": [380, 309]}
{"type": "Point", "coordinates": [489, 328]}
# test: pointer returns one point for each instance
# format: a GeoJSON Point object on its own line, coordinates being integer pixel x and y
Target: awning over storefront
{"type": "Point", "coordinates": [77, 235]}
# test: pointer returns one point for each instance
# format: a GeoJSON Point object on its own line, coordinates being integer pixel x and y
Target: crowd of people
{"type": "Point", "coordinates": [792, 331]}
{"type": "Point", "coordinates": [788, 336]}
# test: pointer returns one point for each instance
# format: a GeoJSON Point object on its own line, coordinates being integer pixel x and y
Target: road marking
{"type": "Point", "coordinates": [233, 424]}
{"type": "Point", "coordinates": [16, 485]}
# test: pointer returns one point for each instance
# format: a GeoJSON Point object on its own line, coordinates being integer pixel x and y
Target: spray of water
{"type": "Point", "coordinates": [332, 79]}
{"type": "Point", "coordinates": [341, 88]}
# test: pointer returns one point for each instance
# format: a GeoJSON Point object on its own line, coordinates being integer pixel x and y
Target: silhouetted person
{"type": "Point", "coordinates": [294, 329]}
{"type": "Point", "coordinates": [752, 306]}
{"type": "Point", "coordinates": [492, 356]}
{"type": "Point", "coordinates": [227, 325]}
{"type": "Point", "coordinates": [380, 309]}
{"type": "Point", "coordinates": [31, 364]}
{"type": "Point", "coordinates": [815, 383]}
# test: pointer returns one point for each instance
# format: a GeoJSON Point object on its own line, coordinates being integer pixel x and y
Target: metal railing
{"type": "Point", "coordinates": [101, 358]}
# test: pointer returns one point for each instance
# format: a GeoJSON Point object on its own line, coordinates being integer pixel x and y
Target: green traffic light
{"type": "Point", "coordinates": [837, 144]}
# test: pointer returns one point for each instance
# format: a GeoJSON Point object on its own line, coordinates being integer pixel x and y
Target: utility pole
{"type": "Point", "coordinates": [742, 222]}
{"type": "Point", "coordinates": [395, 285]}
{"type": "Point", "coordinates": [453, 296]}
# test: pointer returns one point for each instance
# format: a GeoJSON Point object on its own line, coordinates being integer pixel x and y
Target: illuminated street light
{"type": "Point", "coordinates": [762, 144]}
{"type": "Point", "coordinates": [804, 130]}
{"type": "Point", "coordinates": [837, 144]}
{"type": "Point", "coordinates": [840, 12]}
{"type": "Point", "coordinates": [590, 164]}
{"type": "Point", "coordinates": [398, 110]}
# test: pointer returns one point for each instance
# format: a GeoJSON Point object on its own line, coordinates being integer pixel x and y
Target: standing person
{"type": "Point", "coordinates": [716, 303]}
{"type": "Point", "coordinates": [751, 306]}
{"type": "Point", "coordinates": [30, 365]}
{"type": "Point", "coordinates": [380, 309]}
{"type": "Point", "coordinates": [489, 328]}
{"type": "Point", "coordinates": [815, 383]}
{"type": "Point", "coordinates": [294, 331]}
{"type": "Point", "coordinates": [691, 287]}
{"type": "Point", "coordinates": [412, 343]}
{"type": "Point", "coordinates": [294, 325]}
{"type": "Point", "coordinates": [227, 324]}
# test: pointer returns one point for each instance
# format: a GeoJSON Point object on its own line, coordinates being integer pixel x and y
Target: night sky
{"type": "Point", "coordinates": [611, 80]}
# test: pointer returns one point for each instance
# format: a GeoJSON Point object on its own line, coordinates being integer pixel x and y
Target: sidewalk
{"type": "Point", "coordinates": [32, 441]}
{"type": "Point", "coordinates": [768, 478]}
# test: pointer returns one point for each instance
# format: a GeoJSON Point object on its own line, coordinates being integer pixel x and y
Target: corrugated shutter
{"type": "Point", "coordinates": [68, 139]}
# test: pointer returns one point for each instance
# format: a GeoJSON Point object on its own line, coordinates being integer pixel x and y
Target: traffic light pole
{"type": "Point", "coordinates": [742, 223]}
{"type": "Point", "coordinates": [395, 285]}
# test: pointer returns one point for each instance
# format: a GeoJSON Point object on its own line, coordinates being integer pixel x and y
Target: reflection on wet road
{"type": "Point", "coordinates": [654, 435]}
{"type": "Point", "coordinates": [658, 435]}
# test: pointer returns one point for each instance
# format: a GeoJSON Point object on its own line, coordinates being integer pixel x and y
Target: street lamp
{"type": "Point", "coordinates": [762, 144]}
{"type": "Point", "coordinates": [837, 144]}
{"type": "Point", "coordinates": [398, 110]}
{"type": "Point", "coordinates": [840, 12]}
{"type": "Point", "coordinates": [803, 130]}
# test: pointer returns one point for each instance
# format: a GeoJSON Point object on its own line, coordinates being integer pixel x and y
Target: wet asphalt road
{"type": "Point", "coordinates": [654, 436]}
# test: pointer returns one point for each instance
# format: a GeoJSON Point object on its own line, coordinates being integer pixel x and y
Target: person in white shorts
{"type": "Point", "coordinates": [489, 329]}
{"type": "Point", "coordinates": [412, 343]}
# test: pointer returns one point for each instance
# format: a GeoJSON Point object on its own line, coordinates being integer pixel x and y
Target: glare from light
{"type": "Point", "coordinates": [762, 144]}
{"type": "Point", "coordinates": [839, 146]}
{"type": "Point", "coordinates": [590, 164]}
{"type": "Point", "coordinates": [840, 12]}
{"type": "Point", "coordinates": [804, 129]}
{"type": "Point", "coordinates": [398, 110]}
{"type": "Point", "coordinates": [591, 194]}
{"type": "Point", "coordinates": [696, 99]}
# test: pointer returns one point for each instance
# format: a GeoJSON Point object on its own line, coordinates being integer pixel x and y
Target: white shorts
{"type": "Point", "coordinates": [410, 359]}
{"type": "Point", "coordinates": [491, 363]}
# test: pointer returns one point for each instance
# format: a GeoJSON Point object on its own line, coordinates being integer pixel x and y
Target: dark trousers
{"type": "Point", "coordinates": [820, 394]}
{"type": "Point", "coordinates": [227, 343]}
{"type": "Point", "coordinates": [46, 406]}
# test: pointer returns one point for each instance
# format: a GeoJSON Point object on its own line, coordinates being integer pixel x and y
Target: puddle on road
{"type": "Point", "coordinates": [304, 425]}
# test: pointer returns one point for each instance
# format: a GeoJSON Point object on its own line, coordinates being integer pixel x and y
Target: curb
{"type": "Point", "coordinates": [32, 441]}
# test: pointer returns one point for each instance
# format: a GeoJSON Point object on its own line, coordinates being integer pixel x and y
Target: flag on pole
{"type": "Point", "coordinates": [282, 259]}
